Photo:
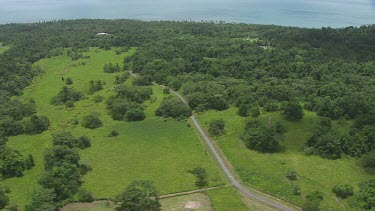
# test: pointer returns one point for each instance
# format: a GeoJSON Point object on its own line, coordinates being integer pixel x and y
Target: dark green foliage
{"type": "Point", "coordinates": [43, 200]}
{"type": "Point", "coordinates": [216, 127]}
{"type": "Point", "coordinates": [91, 121]}
{"type": "Point", "coordinates": [67, 94]}
{"type": "Point", "coordinates": [120, 79]}
{"type": "Point", "coordinates": [311, 206]}
{"type": "Point", "coordinates": [118, 107]}
{"type": "Point", "coordinates": [37, 124]}
{"type": "Point", "coordinates": [279, 128]}
{"type": "Point", "coordinates": [343, 191]}
{"type": "Point", "coordinates": [142, 81]}
{"type": "Point", "coordinates": [113, 133]}
{"type": "Point", "coordinates": [255, 112]}
{"type": "Point", "coordinates": [58, 155]}
{"type": "Point", "coordinates": [12, 163]}
{"type": "Point", "coordinates": [29, 162]}
{"type": "Point", "coordinates": [201, 176]}
{"type": "Point", "coordinates": [69, 81]}
{"type": "Point", "coordinates": [293, 111]}
{"type": "Point", "coordinates": [296, 190]}
{"type": "Point", "coordinates": [172, 107]}
{"type": "Point", "coordinates": [3, 140]}
{"type": "Point", "coordinates": [4, 199]}
{"type": "Point", "coordinates": [68, 140]}
{"type": "Point", "coordinates": [69, 104]}
{"type": "Point", "coordinates": [85, 196]}
{"type": "Point", "coordinates": [134, 115]}
{"type": "Point", "coordinates": [368, 162]}
{"type": "Point", "coordinates": [63, 179]}
{"type": "Point", "coordinates": [95, 86]}
{"type": "Point", "coordinates": [260, 138]}
{"type": "Point", "coordinates": [111, 68]}
{"type": "Point", "coordinates": [292, 175]}
{"type": "Point", "coordinates": [367, 194]}
{"type": "Point", "coordinates": [139, 196]}
{"type": "Point", "coordinates": [243, 110]}
{"type": "Point", "coordinates": [98, 98]}
{"type": "Point", "coordinates": [134, 94]}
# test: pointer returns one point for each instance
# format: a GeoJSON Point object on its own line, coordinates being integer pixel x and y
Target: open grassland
{"type": "Point", "coordinates": [220, 199]}
{"type": "Point", "coordinates": [155, 149]}
{"type": "Point", "coordinates": [3, 48]}
{"type": "Point", "coordinates": [267, 172]}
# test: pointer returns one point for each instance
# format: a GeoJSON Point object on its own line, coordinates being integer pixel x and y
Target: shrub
{"type": "Point", "coordinates": [201, 176]}
{"type": "Point", "coordinates": [113, 133]}
{"type": "Point", "coordinates": [217, 127]}
{"type": "Point", "coordinates": [293, 111]}
{"type": "Point", "coordinates": [292, 175]}
{"type": "Point", "coordinates": [98, 98]}
{"type": "Point", "coordinates": [260, 138]}
{"type": "Point", "coordinates": [85, 196]}
{"type": "Point", "coordinates": [255, 112]}
{"type": "Point", "coordinates": [243, 110]}
{"type": "Point", "coordinates": [368, 162]}
{"type": "Point", "coordinates": [69, 104]}
{"type": "Point", "coordinates": [142, 81]}
{"type": "Point", "coordinates": [134, 115]}
{"type": "Point", "coordinates": [91, 121]}
{"type": "Point", "coordinates": [343, 191]}
{"type": "Point", "coordinates": [366, 194]}
{"type": "Point", "coordinates": [172, 107]}
{"type": "Point", "coordinates": [84, 142]}
{"type": "Point", "coordinates": [69, 81]}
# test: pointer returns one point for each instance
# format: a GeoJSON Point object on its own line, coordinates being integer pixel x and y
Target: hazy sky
{"type": "Point", "coordinates": [309, 13]}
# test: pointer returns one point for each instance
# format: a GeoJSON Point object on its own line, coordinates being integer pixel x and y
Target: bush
{"type": "Point", "coordinates": [368, 162]}
{"type": "Point", "coordinates": [292, 175]}
{"type": "Point", "coordinates": [260, 138]}
{"type": "Point", "coordinates": [67, 94]}
{"type": "Point", "coordinates": [293, 111]}
{"type": "Point", "coordinates": [98, 98]}
{"type": "Point", "coordinates": [243, 110]}
{"type": "Point", "coordinates": [84, 142]}
{"type": "Point", "coordinates": [255, 112]}
{"type": "Point", "coordinates": [296, 190]}
{"type": "Point", "coordinates": [69, 104]}
{"type": "Point", "coordinates": [172, 107]}
{"type": "Point", "coordinates": [69, 81]}
{"type": "Point", "coordinates": [4, 199]}
{"type": "Point", "coordinates": [111, 68]}
{"type": "Point", "coordinates": [343, 191]}
{"type": "Point", "coordinates": [142, 81]}
{"type": "Point", "coordinates": [113, 133]}
{"type": "Point", "coordinates": [91, 121]}
{"type": "Point", "coordinates": [37, 124]}
{"type": "Point", "coordinates": [366, 194]}
{"type": "Point", "coordinates": [85, 196]}
{"type": "Point", "coordinates": [201, 176]}
{"type": "Point", "coordinates": [134, 115]}
{"type": "Point", "coordinates": [217, 127]}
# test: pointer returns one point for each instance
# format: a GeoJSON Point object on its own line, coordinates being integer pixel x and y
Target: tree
{"type": "Point", "coordinates": [343, 191]}
{"type": "Point", "coordinates": [172, 107]}
{"type": "Point", "coordinates": [201, 176]}
{"type": "Point", "coordinates": [139, 196]}
{"type": "Point", "coordinates": [367, 194]}
{"type": "Point", "coordinates": [91, 121]}
{"type": "Point", "coordinates": [134, 115]}
{"type": "Point", "coordinates": [4, 199]}
{"type": "Point", "coordinates": [69, 81]}
{"type": "Point", "coordinates": [12, 163]}
{"type": "Point", "coordinates": [37, 124]}
{"type": "Point", "coordinates": [69, 104]}
{"type": "Point", "coordinates": [260, 138]}
{"type": "Point", "coordinates": [293, 111]}
{"type": "Point", "coordinates": [368, 162]}
{"type": "Point", "coordinates": [217, 127]}
{"type": "Point", "coordinates": [58, 155]}
{"type": "Point", "coordinates": [43, 200]}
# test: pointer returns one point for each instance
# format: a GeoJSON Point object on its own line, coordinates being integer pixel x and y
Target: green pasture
{"type": "Point", "coordinates": [155, 149]}
{"type": "Point", "coordinates": [266, 172]}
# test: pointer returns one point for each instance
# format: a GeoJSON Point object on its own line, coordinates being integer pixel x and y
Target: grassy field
{"type": "Point", "coordinates": [220, 199]}
{"type": "Point", "coordinates": [267, 172]}
{"type": "Point", "coordinates": [3, 48]}
{"type": "Point", "coordinates": [155, 149]}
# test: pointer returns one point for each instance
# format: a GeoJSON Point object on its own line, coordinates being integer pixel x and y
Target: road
{"type": "Point", "coordinates": [232, 179]}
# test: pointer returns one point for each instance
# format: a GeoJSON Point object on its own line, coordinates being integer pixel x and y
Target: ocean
{"type": "Point", "coordinates": [302, 13]}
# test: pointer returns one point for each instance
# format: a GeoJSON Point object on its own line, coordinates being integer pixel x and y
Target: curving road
{"type": "Point", "coordinates": [232, 179]}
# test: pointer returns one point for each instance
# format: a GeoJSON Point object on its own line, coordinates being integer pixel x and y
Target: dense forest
{"type": "Point", "coordinates": [215, 66]}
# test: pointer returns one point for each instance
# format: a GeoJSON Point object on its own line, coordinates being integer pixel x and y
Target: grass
{"type": "Point", "coordinates": [221, 199]}
{"type": "Point", "coordinates": [178, 203]}
{"type": "Point", "coordinates": [267, 172]}
{"type": "Point", "coordinates": [3, 48]}
{"type": "Point", "coordinates": [155, 149]}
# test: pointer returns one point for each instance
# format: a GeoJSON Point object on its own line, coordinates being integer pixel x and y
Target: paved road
{"type": "Point", "coordinates": [232, 179]}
